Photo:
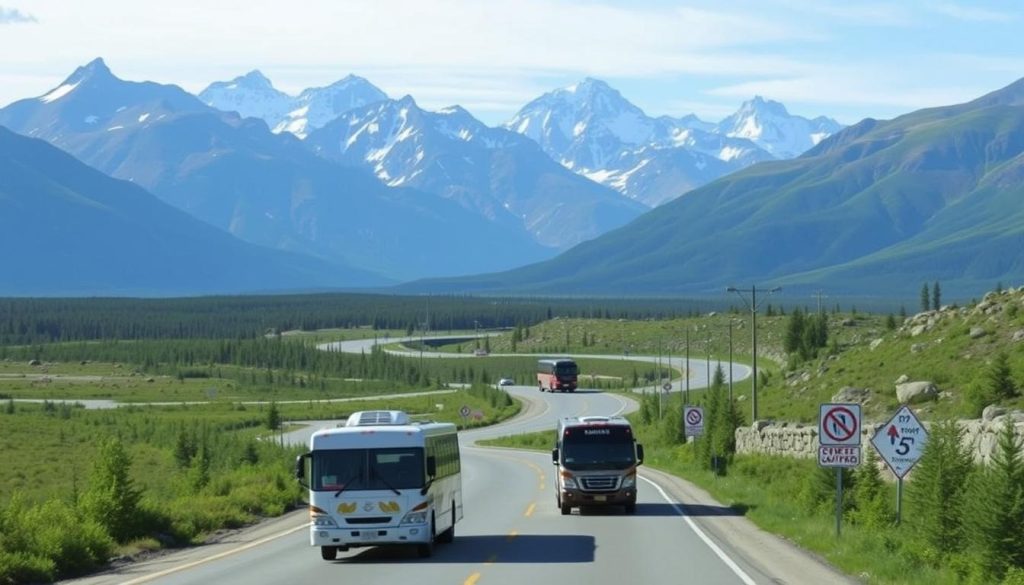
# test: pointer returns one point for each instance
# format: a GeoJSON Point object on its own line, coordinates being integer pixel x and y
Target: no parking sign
{"type": "Point", "coordinates": [693, 421]}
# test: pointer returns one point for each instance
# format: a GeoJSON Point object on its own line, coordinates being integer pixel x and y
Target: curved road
{"type": "Point", "coordinates": [513, 532]}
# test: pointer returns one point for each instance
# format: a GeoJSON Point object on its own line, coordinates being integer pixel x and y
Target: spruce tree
{"type": "Point", "coordinates": [935, 496]}
{"type": "Point", "coordinates": [925, 299]}
{"type": "Point", "coordinates": [1000, 379]}
{"type": "Point", "coordinates": [112, 499]}
{"type": "Point", "coordinates": [994, 518]}
{"type": "Point", "coordinates": [936, 297]}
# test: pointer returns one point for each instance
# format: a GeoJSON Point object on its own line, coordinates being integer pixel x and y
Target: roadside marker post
{"type": "Point", "coordinates": [839, 445]}
{"type": "Point", "coordinates": [900, 443]}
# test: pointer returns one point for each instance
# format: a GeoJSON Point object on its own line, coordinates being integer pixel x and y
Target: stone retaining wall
{"type": "Point", "coordinates": [798, 440]}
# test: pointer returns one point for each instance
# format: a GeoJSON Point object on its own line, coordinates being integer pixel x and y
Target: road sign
{"type": "Point", "coordinates": [464, 411]}
{"type": "Point", "coordinates": [839, 424]}
{"type": "Point", "coordinates": [900, 442]}
{"type": "Point", "coordinates": [667, 386]}
{"type": "Point", "coordinates": [693, 418]}
{"type": "Point", "coordinates": [839, 456]}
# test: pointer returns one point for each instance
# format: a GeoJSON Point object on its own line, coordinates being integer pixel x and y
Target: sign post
{"type": "Point", "coordinates": [839, 445]}
{"type": "Point", "coordinates": [900, 442]}
{"type": "Point", "coordinates": [464, 412]}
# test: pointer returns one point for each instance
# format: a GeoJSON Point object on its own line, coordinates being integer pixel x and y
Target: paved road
{"type": "Point", "coordinates": [699, 369]}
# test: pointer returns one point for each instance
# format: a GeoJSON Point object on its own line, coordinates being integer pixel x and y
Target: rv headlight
{"type": "Point", "coordinates": [415, 518]}
{"type": "Point", "coordinates": [569, 482]}
{"type": "Point", "coordinates": [629, 481]}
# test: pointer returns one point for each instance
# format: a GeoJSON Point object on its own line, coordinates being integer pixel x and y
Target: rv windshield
{"type": "Point", "coordinates": [368, 469]}
{"type": "Point", "coordinates": [598, 448]}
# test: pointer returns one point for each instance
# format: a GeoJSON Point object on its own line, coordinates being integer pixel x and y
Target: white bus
{"type": "Point", "coordinates": [382, 479]}
{"type": "Point", "coordinates": [597, 457]}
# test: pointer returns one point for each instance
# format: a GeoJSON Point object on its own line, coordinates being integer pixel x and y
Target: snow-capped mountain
{"type": "Point", "coordinates": [253, 96]}
{"type": "Point", "coordinates": [498, 174]}
{"type": "Point", "coordinates": [770, 126]}
{"type": "Point", "coordinates": [591, 129]}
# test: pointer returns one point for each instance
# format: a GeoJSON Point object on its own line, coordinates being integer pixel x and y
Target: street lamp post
{"type": "Point", "coordinates": [753, 335]}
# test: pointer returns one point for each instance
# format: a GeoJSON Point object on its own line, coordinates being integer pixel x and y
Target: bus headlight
{"type": "Point", "coordinates": [415, 518]}
{"type": "Point", "coordinates": [568, 482]}
{"type": "Point", "coordinates": [629, 481]}
{"type": "Point", "coordinates": [324, 522]}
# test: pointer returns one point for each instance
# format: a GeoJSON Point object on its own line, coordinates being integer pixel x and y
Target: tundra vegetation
{"type": "Point", "coordinates": [213, 382]}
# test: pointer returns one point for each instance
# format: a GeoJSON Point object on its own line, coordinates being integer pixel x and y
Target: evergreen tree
{"type": "Point", "coordinates": [935, 497]}
{"type": "Point", "coordinates": [925, 299]}
{"type": "Point", "coordinates": [994, 519]}
{"type": "Point", "coordinates": [936, 297]}
{"type": "Point", "coordinates": [890, 322]}
{"type": "Point", "coordinates": [903, 312]}
{"type": "Point", "coordinates": [794, 331]}
{"type": "Point", "coordinates": [112, 499]}
{"type": "Point", "coordinates": [273, 420]}
{"type": "Point", "coordinates": [1000, 379]}
{"type": "Point", "coordinates": [870, 505]}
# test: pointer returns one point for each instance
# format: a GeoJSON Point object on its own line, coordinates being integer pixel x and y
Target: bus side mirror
{"type": "Point", "coordinates": [554, 455]}
{"type": "Point", "coordinates": [639, 453]}
{"type": "Point", "coordinates": [300, 468]}
{"type": "Point", "coordinates": [431, 466]}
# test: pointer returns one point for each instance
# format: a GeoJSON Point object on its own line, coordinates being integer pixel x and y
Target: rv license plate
{"type": "Point", "coordinates": [600, 498]}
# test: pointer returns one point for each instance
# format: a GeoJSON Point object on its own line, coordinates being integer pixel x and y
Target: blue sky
{"type": "Point", "coordinates": [848, 60]}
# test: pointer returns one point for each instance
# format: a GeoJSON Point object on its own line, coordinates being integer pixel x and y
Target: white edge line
{"type": "Point", "coordinates": [711, 544]}
{"type": "Point", "coordinates": [215, 557]}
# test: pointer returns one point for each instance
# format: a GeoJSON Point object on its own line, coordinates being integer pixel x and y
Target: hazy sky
{"type": "Point", "coordinates": [848, 60]}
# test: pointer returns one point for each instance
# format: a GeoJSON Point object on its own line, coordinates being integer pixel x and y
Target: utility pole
{"type": "Point", "coordinates": [753, 335]}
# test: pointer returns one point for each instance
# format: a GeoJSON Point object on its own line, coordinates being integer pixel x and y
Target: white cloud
{"type": "Point", "coordinates": [973, 13]}
{"type": "Point", "coordinates": [14, 16]}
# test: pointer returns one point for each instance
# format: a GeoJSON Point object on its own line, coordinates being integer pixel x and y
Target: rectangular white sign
{"type": "Point", "coordinates": [840, 456]}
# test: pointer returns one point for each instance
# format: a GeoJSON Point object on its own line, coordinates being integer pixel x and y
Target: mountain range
{"type": "Point", "coordinates": [265, 188]}
{"type": "Point", "coordinates": [876, 209]}
{"type": "Point", "coordinates": [589, 128]}
{"type": "Point", "coordinates": [389, 191]}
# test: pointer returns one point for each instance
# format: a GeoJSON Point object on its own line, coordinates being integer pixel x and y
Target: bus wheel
{"type": "Point", "coordinates": [426, 550]}
{"type": "Point", "coordinates": [328, 553]}
{"type": "Point", "coordinates": [448, 535]}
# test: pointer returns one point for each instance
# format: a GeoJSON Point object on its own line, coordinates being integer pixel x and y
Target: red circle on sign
{"type": "Point", "coordinates": [693, 417]}
{"type": "Point", "coordinates": [831, 417]}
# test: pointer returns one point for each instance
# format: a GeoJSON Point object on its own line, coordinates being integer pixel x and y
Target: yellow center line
{"type": "Point", "coordinates": [472, 579]}
{"type": "Point", "coordinates": [529, 511]}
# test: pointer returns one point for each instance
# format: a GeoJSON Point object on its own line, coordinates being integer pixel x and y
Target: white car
{"type": "Point", "coordinates": [506, 382]}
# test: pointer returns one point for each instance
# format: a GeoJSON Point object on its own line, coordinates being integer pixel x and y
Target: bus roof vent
{"type": "Point", "coordinates": [377, 417]}
{"type": "Point", "coordinates": [594, 419]}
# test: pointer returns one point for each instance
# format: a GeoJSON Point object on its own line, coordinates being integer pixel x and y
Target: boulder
{"type": "Point", "coordinates": [918, 347]}
{"type": "Point", "coordinates": [992, 411]}
{"type": "Point", "coordinates": [1018, 335]}
{"type": "Point", "coordinates": [903, 379]}
{"type": "Point", "coordinates": [918, 330]}
{"type": "Point", "coordinates": [34, 363]}
{"type": "Point", "coordinates": [911, 392]}
{"type": "Point", "coordinates": [874, 344]}
{"type": "Point", "coordinates": [977, 332]}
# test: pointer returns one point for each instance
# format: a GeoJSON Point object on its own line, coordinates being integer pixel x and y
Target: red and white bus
{"type": "Point", "coordinates": [557, 374]}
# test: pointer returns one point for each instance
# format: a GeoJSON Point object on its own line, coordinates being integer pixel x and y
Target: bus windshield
{"type": "Point", "coordinates": [368, 469]}
{"type": "Point", "coordinates": [599, 448]}
{"type": "Point", "coordinates": [566, 369]}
